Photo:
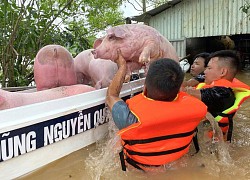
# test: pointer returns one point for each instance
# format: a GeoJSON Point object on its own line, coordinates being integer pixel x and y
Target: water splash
{"type": "Point", "coordinates": [218, 146]}
{"type": "Point", "coordinates": [104, 159]}
{"type": "Point", "coordinates": [242, 126]}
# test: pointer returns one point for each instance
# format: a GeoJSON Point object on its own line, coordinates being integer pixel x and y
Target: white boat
{"type": "Point", "coordinates": [34, 135]}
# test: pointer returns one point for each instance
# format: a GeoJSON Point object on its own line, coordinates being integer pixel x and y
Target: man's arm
{"type": "Point", "coordinates": [192, 91]}
{"type": "Point", "coordinates": [217, 98]}
{"type": "Point", "coordinates": [116, 84]}
{"type": "Point", "coordinates": [191, 82]}
{"type": "Point", "coordinates": [194, 81]}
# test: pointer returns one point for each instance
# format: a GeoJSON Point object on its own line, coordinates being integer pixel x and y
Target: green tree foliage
{"type": "Point", "coordinates": [246, 8]}
{"type": "Point", "coordinates": [157, 3]}
{"type": "Point", "coordinates": [28, 25]}
{"type": "Point", "coordinates": [145, 5]}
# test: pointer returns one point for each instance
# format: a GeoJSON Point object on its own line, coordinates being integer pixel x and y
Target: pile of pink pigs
{"type": "Point", "coordinates": [57, 74]}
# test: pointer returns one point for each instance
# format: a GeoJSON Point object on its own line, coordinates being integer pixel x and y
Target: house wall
{"type": "Point", "coordinates": [201, 18]}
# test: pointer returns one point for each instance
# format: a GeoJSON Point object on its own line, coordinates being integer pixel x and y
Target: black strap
{"type": "Point", "coordinates": [122, 160]}
{"type": "Point", "coordinates": [230, 124]}
{"type": "Point", "coordinates": [133, 142]}
{"type": "Point", "coordinates": [160, 138]}
{"type": "Point", "coordinates": [230, 129]}
{"type": "Point", "coordinates": [157, 153]}
{"type": "Point", "coordinates": [134, 163]}
{"type": "Point", "coordinates": [222, 124]}
{"type": "Point", "coordinates": [225, 115]}
{"type": "Point", "coordinates": [196, 143]}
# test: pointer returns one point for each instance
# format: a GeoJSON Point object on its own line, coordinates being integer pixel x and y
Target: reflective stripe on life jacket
{"type": "Point", "coordinates": [164, 130]}
{"type": "Point", "coordinates": [241, 92]}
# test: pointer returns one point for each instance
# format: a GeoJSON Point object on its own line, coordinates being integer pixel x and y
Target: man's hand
{"type": "Point", "coordinates": [116, 84]}
{"type": "Point", "coordinates": [192, 91]}
{"type": "Point", "coordinates": [120, 61]}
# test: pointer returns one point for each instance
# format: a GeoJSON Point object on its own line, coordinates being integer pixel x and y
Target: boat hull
{"type": "Point", "coordinates": [34, 135]}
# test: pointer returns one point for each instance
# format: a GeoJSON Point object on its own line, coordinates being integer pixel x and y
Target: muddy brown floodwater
{"type": "Point", "coordinates": [101, 160]}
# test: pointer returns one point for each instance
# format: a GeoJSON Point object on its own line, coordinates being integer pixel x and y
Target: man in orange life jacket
{"type": "Point", "coordinates": [158, 125]}
{"type": "Point", "coordinates": [218, 90]}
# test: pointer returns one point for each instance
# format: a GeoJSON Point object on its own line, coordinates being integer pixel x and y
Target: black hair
{"type": "Point", "coordinates": [163, 80]}
{"type": "Point", "coordinates": [229, 58]}
{"type": "Point", "coordinates": [205, 56]}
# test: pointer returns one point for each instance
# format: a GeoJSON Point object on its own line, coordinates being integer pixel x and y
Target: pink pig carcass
{"type": "Point", "coordinates": [97, 72]}
{"type": "Point", "coordinates": [138, 43]}
{"type": "Point", "coordinates": [16, 99]}
{"type": "Point", "coordinates": [54, 67]}
{"type": "Point", "coordinates": [102, 72]}
{"type": "Point", "coordinates": [81, 63]}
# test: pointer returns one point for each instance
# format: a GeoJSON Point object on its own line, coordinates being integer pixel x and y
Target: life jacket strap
{"type": "Point", "coordinates": [230, 129]}
{"type": "Point", "coordinates": [121, 154]}
{"type": "Point", "coordinates": [132, 162]}
{"type": "Point", "coordinates": [133, 142]}
{"type": "Point", "coordinates": [130, 152]}
{"type": "Point", "coordinates": [230, 124]}
{"type": "Point", "coordinates": [222, 124]}
{"type": "Point", "coordinates": [196, 143]}
{"type": "Point", "coordinates": [136, 164]}
{"type": "Point", "coordinates": [160, 138]}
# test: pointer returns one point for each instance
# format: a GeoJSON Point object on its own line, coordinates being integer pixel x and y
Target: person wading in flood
{"type": "Point", "coordinates": [222, 92]}
{"type": "Point", "coordinates": [152, 129]}
{"type": "Point", "coordinates": [197, 70]}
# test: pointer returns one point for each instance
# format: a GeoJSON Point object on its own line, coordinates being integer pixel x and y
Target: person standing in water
{"type": "Point", "coordinates": [197, 70]}
{"type": "Point", "coordinates": [152, 129]}
{"type": "Point", "coordinates": [222, 92]}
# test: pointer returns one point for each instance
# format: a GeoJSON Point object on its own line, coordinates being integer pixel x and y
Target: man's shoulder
{"type": "Point", "coordinates": [218, 83]}
{"type": "Point", "coordinates": [119, 104]}
{"type": "Point", "coordinates": [189, 98]}
{"type": "Point", "coordinates": [135, 98]}
{"type": "Point", "coordinates": [191, 103]}
{"type": "Point", "coordinates": [222, 82]}
{"type": "Point", "coordinates": [238, 83]}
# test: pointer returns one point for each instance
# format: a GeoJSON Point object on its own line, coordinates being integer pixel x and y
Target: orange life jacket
{"type": "Point", "coordinates": [225, 83]}
{"type": "Point", "coordinates": [225, 118]}
{"type": "Point", "coordinates": [164, 130]}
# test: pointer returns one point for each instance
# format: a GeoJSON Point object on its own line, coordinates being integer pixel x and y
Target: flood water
{"type": "Point", "coordinates": [218, 160]}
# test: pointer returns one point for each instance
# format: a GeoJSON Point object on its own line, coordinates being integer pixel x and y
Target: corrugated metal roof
{"type": "Point", "coordinates": [147, 15]}
{"type": "Point", "coordinates": [180, 19]}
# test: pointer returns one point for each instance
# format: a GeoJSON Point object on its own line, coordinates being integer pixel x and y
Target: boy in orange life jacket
{"type": "Point", "coordinates": [197, 70]}
{"type": "Point", "coordinates": [217, 93]}
{"type": "Point", "coordinates": [152, 129]}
